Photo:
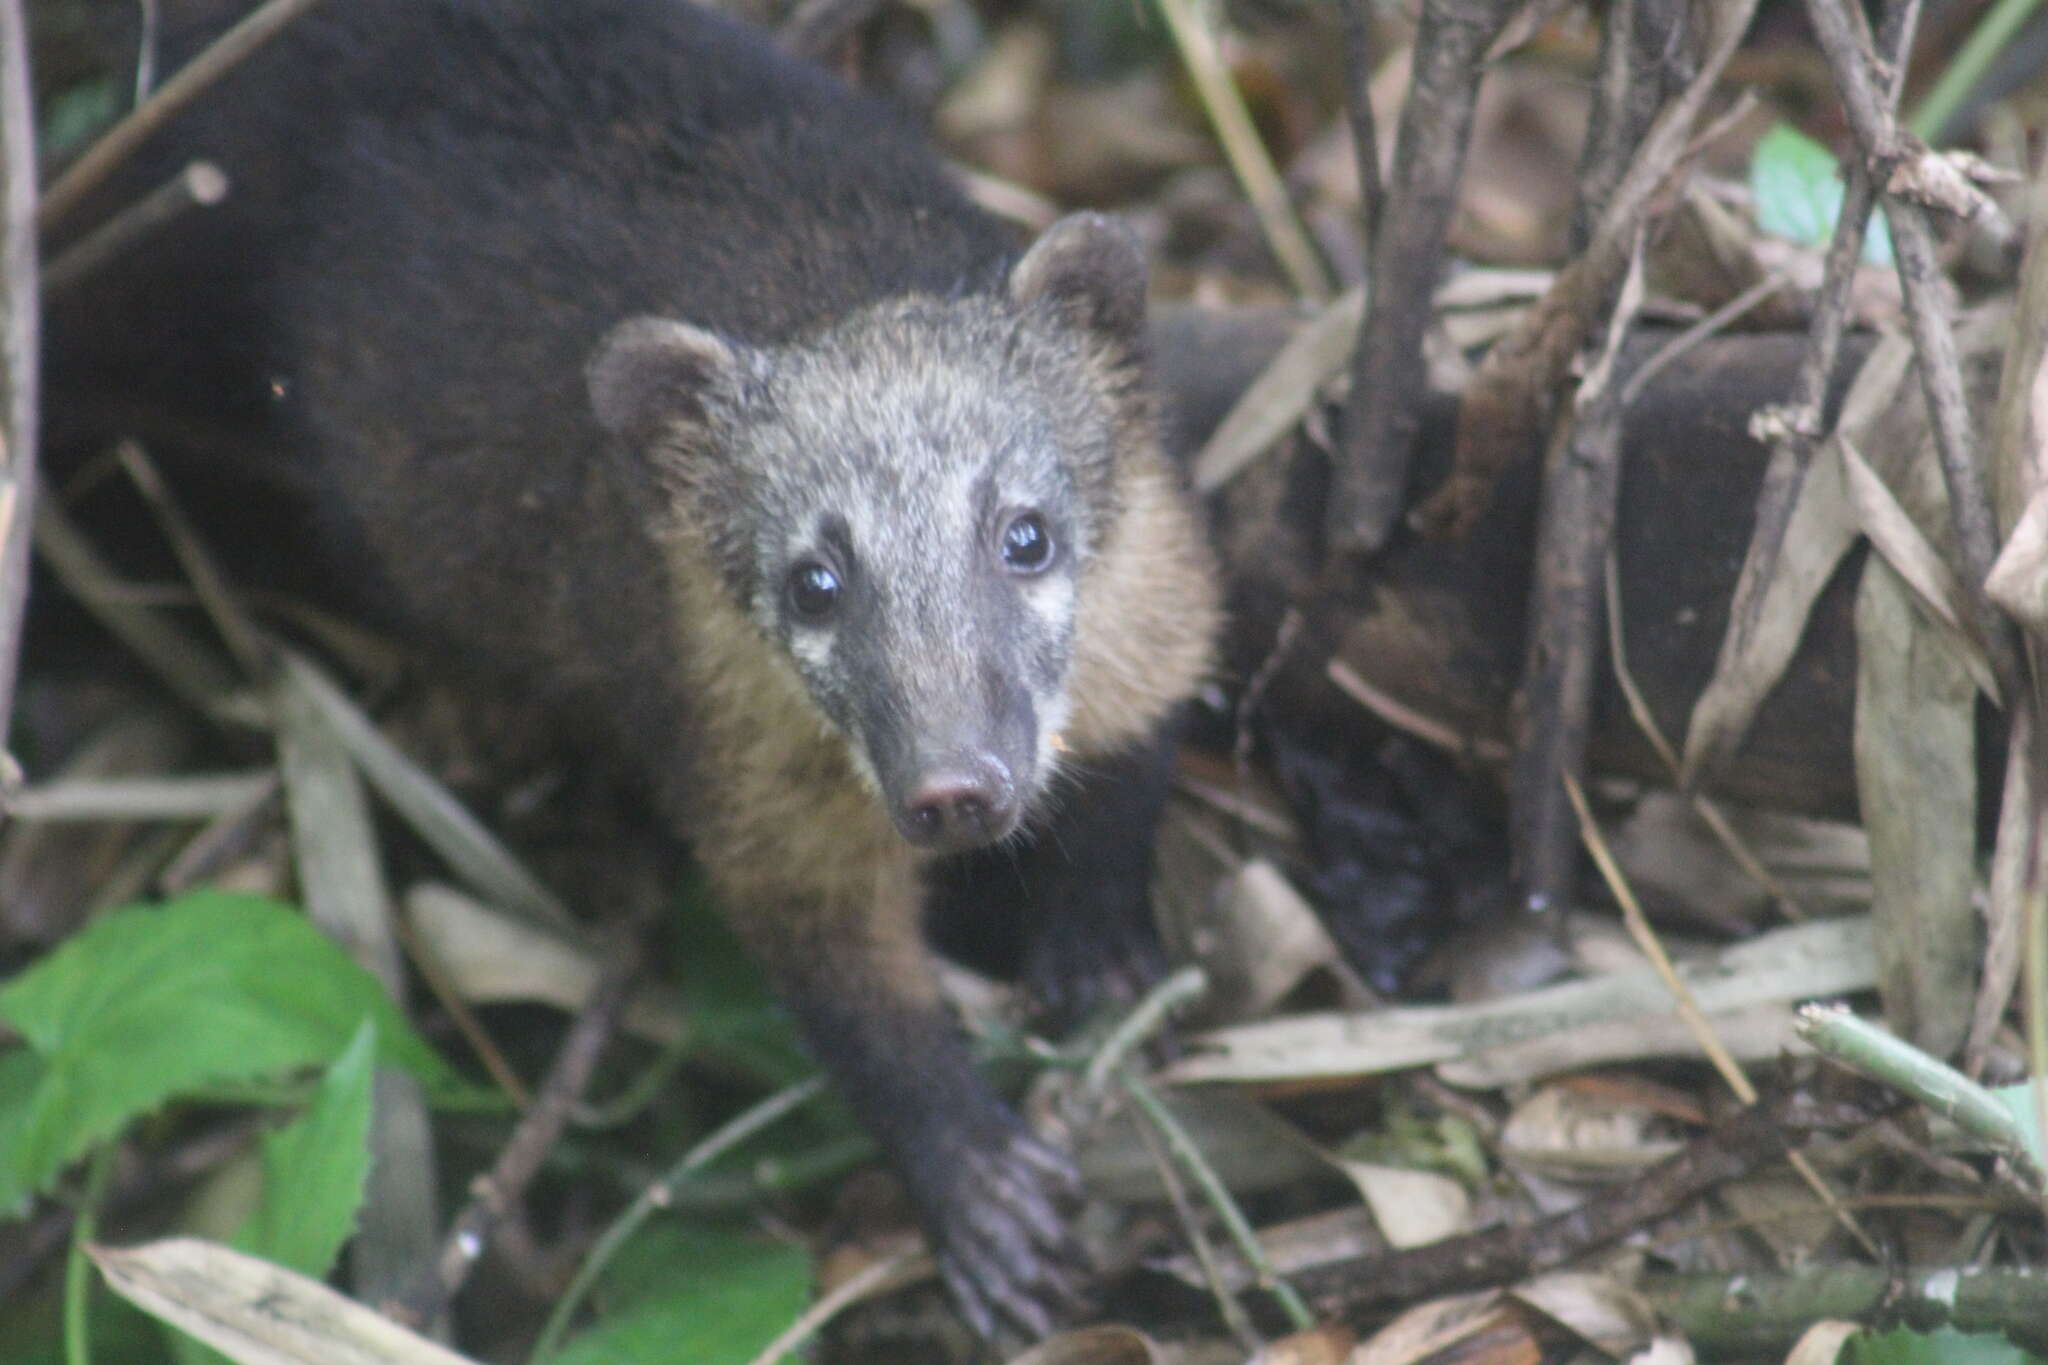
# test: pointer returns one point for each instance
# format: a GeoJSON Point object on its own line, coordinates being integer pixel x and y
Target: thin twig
{"type": "Point", "coordinates": [1477, 1260]}
{"type": "Point", "coordinates": [659, 1195]}
{"type": "Point", "coordinates": [1356, 17]}
{"type": "Point", "coordinates": [532, 1139]}
{"type": "Point", "coordinates": [1885, 150]}
{"type": "Point", "coordinates": [1581, 495]}
{"type": "Point", "coordinates": [118, 143]}
{"type": "Point", "coordinates": [200, 185]}
{"type": "Point", "coordinates": [1247, 1241]}
{"type": "Point", "coordinates": [875, 1279]}
{"type": "Point", "coordinates": [1227, 1303]}
{"type": "Point", "coordinates": [1436, 733]}
{"type": "Point", "coordinates": [1641, 45]}
{"type": "Point", "coordinates": [1705, 806]}
{"type": "Point", "coordinates": [1377, 428]}
{"type": "Point", "coordinates": [1146, 1018]}
{"type": "Point", "coordinates": [20, 331]}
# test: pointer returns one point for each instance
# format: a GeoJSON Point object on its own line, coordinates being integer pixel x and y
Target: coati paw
{"type": "Point", "coordinates": [1005, 1250]}
{"type": "Point", "coordinates": [1110, 962]}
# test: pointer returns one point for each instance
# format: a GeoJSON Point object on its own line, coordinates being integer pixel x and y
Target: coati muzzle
{"type": "Point", "coordinates": [959, 804]}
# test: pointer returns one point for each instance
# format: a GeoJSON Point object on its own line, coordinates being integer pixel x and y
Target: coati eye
{"type": "Point", "coordinates": [1027, 544]}
{"type": "Point", "coordinates": [813, 590]}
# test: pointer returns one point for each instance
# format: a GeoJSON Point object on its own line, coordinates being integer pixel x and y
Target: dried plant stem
{"type": "Point", "coordinates": [498, 1191]}
{"type": "Point", "coordinates": [20, 329]}
{"type": "Point", "coordinates": [1241, 1234]}
{"type": "Point", "coordinates": [1884, 149]}
{"type": "Point", "coordinates": [1245, 152]}
{"type": "Point", "coordinates": [120, 141]}
{"type": "Point", "coordinates": [200, 185]}
{"type": "Point", "coordinates": [1696, 1021]}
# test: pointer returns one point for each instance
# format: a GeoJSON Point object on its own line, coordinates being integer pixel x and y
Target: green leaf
{"type": "Point", "coordinates": [153, 1002]}
{"type": "Point", "coordinates": [731, 1009]}
{"type": "Point", "coordinates": [315, 1168]}
{"type": "Point", "coordinates": [1944, 1346]}
{"type": "Point", "coordinates": [694, 1295]}
{"type": "Point", "coordinates": [1797, 185]}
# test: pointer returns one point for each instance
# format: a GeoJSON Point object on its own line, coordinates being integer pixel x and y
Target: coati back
{"type": "Point", "coordinates": [665, 377]}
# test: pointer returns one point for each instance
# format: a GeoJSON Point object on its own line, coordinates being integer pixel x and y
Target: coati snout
{"type": "Point", "coordinates": [906, 503]}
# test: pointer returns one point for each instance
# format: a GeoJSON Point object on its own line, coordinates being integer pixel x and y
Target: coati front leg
{"type": "Point", "coordinates": [993, 1199]}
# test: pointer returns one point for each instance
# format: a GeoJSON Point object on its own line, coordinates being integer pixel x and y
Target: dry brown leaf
{"type": "Point", "coordinates": [1600, 1308]}
{"type": "Point", "coordinates": [1428, 1328]}
{"type": "Point", "coordinates": [1105, 1345]}
{"type": "Point", "coordinates": [257, 1313]}
{"type": "Point", "coordinates": [2018, 582]}
{"type": "Point", "coordinates": [1257, 943]}
{"type": "Point", "coordinates": [1276, 400]}
{"type": "Point", "coordinates": [1906, 548]}
{"type": "Point", "coordinates": [1412, 1208]}
{"type": "Point", "coordinates": [1821, 1344]}
{"type": "Point", "coordinates": [1568, 1135]}
{"type": "Point", "coordinates": [1916, 781]}
{"type": "Point", "coordinates": [1317, 1346]}
{"type": "Point", "coordinates": [492, 958]}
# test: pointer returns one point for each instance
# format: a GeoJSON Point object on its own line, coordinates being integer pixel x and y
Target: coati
{"type": "Point", "coordinates": [635, 363]}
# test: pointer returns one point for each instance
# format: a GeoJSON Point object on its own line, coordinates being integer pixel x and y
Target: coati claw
{"type": "Point", "coordinates": [1005, 1251]}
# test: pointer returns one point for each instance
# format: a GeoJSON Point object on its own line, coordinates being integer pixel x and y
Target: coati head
{"type": "Point", "coordinates": [906, 503]}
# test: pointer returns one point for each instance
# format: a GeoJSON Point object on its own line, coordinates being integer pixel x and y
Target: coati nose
{"type": "Point", "coordinates": [960, 805]}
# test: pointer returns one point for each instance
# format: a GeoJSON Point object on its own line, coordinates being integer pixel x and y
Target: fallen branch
{"type": "Point", "coordinates": [1754, 1138]}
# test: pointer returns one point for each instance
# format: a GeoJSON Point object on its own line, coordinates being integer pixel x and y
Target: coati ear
{"type": "Point", "coordinates": [1093, 265]}
{"type": "Point", "coordinates": [650, 372]}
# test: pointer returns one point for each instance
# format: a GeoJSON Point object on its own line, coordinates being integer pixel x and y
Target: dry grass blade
{"type": "Point", "coordinates": [1646, 940]}
{"type": "Point", "coordinates": [190, 669]}
{"type": "Point", "coordinates": [1916, 780]}
{"type": "Point", "coordinates": [341, 879]}
{"type": "Point", "coordinates": [1276, 400]}
{"type": "Point", "coordinates": [137, 798]}
{"type": "Point", "coordinates": [256, 1313]}
{"type": "Point", "coordinates": [435, 815]}
{"type": "Point", "coordinates": [1688, 1007]}
{"type": "Point", "coordinates": [1827, 957]}
{"type": "Point", "coordinates": [1709, 812]}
